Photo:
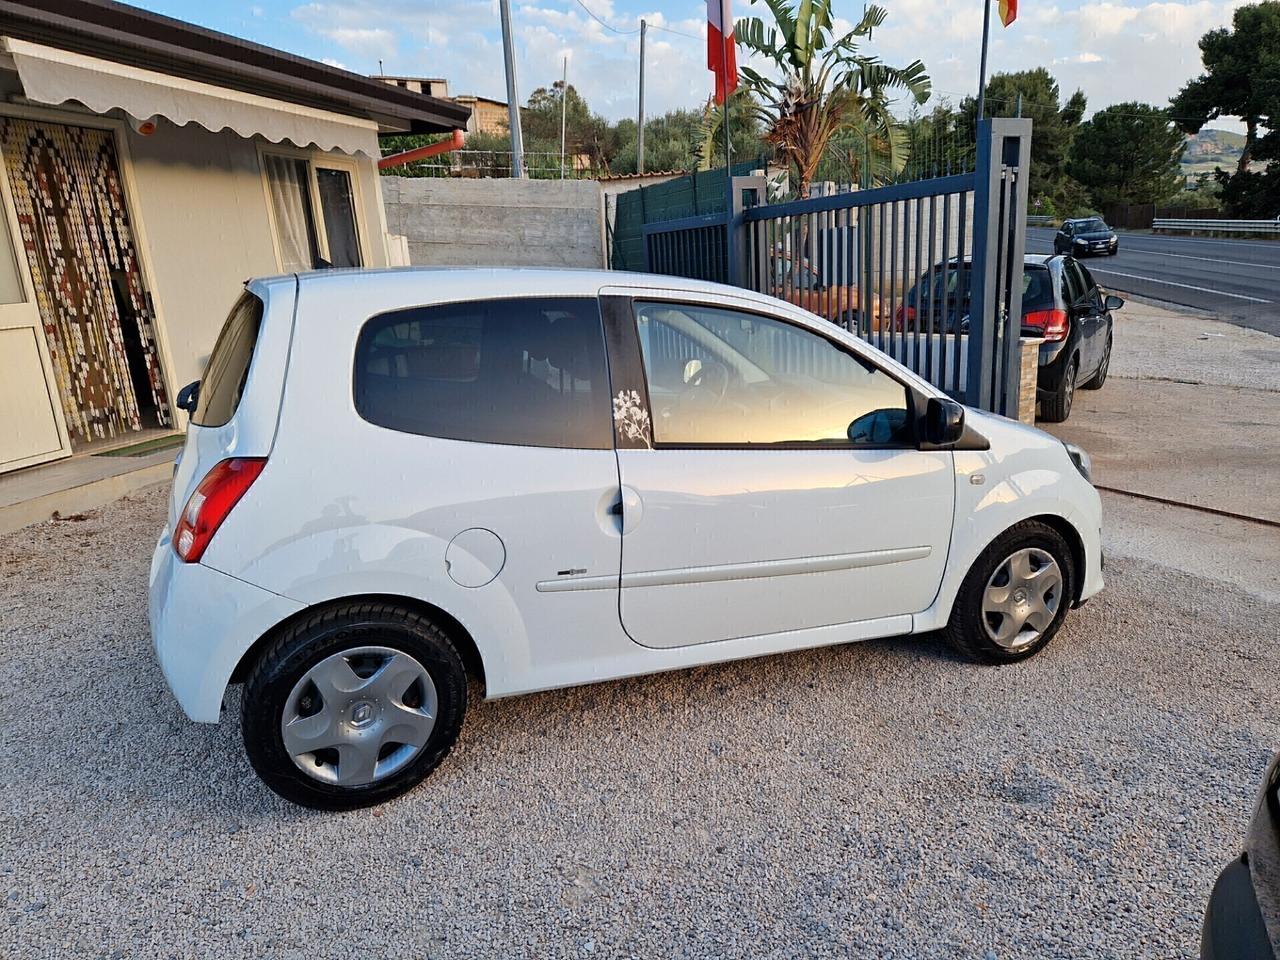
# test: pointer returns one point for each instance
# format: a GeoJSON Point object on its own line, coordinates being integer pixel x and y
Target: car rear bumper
{"type": "Point", "coordinates": [1052, 366]}
{"type": "Point", "coordinates": [202, 622]}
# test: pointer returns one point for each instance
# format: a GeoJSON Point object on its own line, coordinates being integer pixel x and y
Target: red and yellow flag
{"type": "Point", "coordinates": [1008, 11]}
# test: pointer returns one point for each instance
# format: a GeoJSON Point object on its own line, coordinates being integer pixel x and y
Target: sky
{"type": "Point", "coordinates": [1114, 51]}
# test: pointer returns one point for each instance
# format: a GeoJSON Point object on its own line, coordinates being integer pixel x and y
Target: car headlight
{"type": "Point", "coordinates": [1082, 460]}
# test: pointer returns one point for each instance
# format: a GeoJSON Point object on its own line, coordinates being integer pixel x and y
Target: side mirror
{"type": "Point", "coordinates": [1113, 302]}
{"type": "Point", "coordinates": [189, 396]}
{"type": "Point", "coordinates": [692, 369]}
{"type": "Point", "coordinates": [943, 422]}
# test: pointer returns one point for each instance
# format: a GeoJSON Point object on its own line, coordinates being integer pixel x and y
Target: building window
{"type": "Point", "coordinates": [307, 242]}
{"type": "Point", "coordinates": [337, 204]}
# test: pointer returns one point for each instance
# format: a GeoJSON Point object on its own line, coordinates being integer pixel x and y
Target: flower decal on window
{"type": "Point", "coordinates": [631, 418]}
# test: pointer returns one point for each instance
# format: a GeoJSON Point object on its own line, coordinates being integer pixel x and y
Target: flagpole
{"type": "Point", "coordinates": [982, 70]}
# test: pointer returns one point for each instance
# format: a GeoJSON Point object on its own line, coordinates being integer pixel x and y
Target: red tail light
{"type": "Point", "coordinates": [219, 491]}
{"type": "Point", "coordinates": [1050, 324]}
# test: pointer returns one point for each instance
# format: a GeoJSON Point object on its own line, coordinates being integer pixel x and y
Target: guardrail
{"type": "Point", "coordinates": [1039, 221]}
{"type": "Point", "coordinates": [1263, 227]}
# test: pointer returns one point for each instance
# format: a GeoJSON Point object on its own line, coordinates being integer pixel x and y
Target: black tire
{"type": "Point", "coordinates": [966, 630]}
{"type": "Point", "coordinates": [315, 638]}
{"type": "Point", "coordinates": [1100, 377]}
{"type": "Point", "coordinates": [1057, 407]}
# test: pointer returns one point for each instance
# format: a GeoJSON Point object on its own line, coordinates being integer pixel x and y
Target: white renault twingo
{"type": "Point", "coordinates": [547, 478]}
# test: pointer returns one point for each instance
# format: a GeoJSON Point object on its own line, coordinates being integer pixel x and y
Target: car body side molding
{"type": "Point", "coordinates": [738, 571]}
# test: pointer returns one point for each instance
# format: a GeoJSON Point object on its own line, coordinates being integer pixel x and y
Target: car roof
{"type": "Point", "coordinates": [1028, 260]}
{"type": "Point", "coordinates": [441, 284]}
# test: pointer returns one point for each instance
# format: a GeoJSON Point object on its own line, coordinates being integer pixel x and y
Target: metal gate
{"type": "Point", "coordinates": [929, 272]}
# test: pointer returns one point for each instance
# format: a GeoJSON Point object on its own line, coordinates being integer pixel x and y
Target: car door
{"type": "Point", "coordinates": [747, 508]}
{"type": "Point", "coordinates": [1062, 242]}
{"type": "Point", "coordinates": [1100, 316]}
{"type": "Point", "coordinates": [1086, 310]}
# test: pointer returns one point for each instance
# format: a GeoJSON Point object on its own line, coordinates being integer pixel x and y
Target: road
{"type": "Point", "coordinates": [1236, 280]}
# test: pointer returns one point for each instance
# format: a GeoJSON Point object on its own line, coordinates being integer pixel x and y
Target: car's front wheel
{"type": "Point", "coordinates": [1015, 596]}
{"type": "Point", "coordinates": [353, 705]}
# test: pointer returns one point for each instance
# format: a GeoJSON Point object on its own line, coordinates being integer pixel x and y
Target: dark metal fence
{"type": "Point", "coordinates": [929, 271]}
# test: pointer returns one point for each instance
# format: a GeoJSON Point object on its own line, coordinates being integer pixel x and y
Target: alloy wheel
{"type": "Point", "coordinates": [1022, 598]}
{"type": "Point", "coordinates": [359, 716]}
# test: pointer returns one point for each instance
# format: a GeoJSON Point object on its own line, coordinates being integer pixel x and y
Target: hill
{"type": "Point", "coordinates": [1212, 148]}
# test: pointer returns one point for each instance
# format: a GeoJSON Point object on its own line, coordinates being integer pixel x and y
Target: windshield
{"type": "Point", "coordinates": [802, 276]}
{"type": "Point", "coordinates": [1094, 225]}
{"type": "Point", "coordinates": [1037, 287]}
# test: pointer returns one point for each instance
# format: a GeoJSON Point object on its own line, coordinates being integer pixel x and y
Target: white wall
{"type": "Point", "coordinates": [201, 209]}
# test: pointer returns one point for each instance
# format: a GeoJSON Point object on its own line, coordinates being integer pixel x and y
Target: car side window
{"type": "Point", "coordinates": [1089, 285]}
{"type": "Point", "coordinates": [529, 372]}
{"type": "Point", "coordinates": [1073, 287]}
{"type": "Point", "coordinates": [726, 377]}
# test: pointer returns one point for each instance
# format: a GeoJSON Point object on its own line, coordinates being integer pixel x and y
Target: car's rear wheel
{"type": "Point", "coordinates": [1015, 596]}
{"type": "Point", "coordinates": [1100, 377]}
{"type": "Point", "coordinates": [353, 705]}
{"type": "Point", "coordinates": [1057, 406]}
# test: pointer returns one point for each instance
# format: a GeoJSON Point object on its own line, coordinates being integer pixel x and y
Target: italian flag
{"type": "Point", "coordinates": [1008, 11]}
{"type": "Point", "coordinates": [722, 60]}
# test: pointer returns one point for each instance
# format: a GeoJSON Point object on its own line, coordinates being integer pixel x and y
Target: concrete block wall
{"type": "Point", "coordinates": [497, 222]}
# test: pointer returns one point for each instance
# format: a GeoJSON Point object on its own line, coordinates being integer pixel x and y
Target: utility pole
{"type": "Point", "coordinates": [564, 93]}
{"type": "Point", "coordinates": [513, 97]}
{"type": "Point", "coordinates": [640, 119]}
{"type": "Point", "coordinates": [982, 70]}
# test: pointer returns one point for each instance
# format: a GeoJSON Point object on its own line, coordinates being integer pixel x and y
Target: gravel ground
{"type": "Point", "coordinates": [882, 799]}
{"type": "Point", "coordinates": [1154, 342]}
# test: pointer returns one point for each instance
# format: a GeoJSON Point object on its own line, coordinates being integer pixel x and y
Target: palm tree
{"type": "Point", "coordinates": [826, 87]}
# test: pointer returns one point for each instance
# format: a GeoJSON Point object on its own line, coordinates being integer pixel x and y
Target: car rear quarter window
{"type": "Point", "coordinates": [228, 368]}
{"type": "Point", "coordinates": [528, 372]}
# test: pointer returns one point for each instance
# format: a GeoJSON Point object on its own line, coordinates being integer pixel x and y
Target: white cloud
{"type": "Point", "coordinates": [1112, 50]}
{"type": "Point", "coordinates": [364, 41]}
{"type": "Point", "coordinates": [1149, 49]}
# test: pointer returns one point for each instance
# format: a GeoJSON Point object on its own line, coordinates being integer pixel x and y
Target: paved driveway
{"type": "Point", "coordinates": [878, 799]}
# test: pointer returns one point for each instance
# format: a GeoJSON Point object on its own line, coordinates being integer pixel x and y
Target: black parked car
{"type": "Point", "coordinates": [1084, 238]}
{"type": "Point", "coordinates": [1061, 302]}
{"type": "Point", "coordinates": [1242, 921]}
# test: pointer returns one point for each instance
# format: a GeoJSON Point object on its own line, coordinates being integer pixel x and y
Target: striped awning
{"type": "Point", "coordinates": [53, 76]}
